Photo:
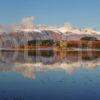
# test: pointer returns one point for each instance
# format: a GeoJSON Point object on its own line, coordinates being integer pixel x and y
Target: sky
{"type": "Point", "coordinates": [82, 13]}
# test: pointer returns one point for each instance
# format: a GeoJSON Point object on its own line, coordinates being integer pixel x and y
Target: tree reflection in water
{"type": "Point", "coordinates": [41, 60]}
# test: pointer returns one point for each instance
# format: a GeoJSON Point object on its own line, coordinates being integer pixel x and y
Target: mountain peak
{"type": "Point", "coordinates": [27, 25]}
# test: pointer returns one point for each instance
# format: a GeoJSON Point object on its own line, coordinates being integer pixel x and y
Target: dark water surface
{"type": "Point", "coordinates": [50, 75]}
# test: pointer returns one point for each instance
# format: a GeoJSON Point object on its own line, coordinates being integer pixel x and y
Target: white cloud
{"type": "Point", "coordinates": [26, 23]}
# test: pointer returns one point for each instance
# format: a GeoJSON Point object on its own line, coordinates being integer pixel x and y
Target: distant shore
{"type": "Point", "coordinates": [55, 49]}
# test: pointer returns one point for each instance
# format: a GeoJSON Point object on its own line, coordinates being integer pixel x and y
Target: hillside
{"type": "Point", "coordinates": [20, 34]}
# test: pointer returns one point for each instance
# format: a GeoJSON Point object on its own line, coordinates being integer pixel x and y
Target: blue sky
{"type": "Point", "coordinates": [82, 13]}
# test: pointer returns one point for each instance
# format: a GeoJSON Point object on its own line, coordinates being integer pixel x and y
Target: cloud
{"type": "Point", "coordinates": [7, 28]}
{"type": "Point", "coordinates": [26, 23]}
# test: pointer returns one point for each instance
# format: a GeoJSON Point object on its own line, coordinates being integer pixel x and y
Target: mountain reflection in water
{"type": "Point", "coordinates": [50, 75]}
{"type": "Point", "coordinates": [29, 62]}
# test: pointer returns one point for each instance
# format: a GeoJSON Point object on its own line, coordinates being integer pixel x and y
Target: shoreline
{"type": "Point", "coordinates": [73, 49]}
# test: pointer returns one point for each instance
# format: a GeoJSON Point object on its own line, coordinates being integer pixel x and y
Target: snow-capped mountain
{"type": "Point", "coordinates": [27, 25]}
{"type": "Point", "coordinates": [25, 30]}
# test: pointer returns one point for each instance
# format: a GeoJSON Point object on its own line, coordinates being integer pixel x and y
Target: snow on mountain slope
{"type": "Point", "coordinates": [25, 30]}
{"type": "Point", "coordinates": [27, 25]}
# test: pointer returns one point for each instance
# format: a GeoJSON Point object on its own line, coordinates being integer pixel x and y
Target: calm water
{"type": "Point", "coordinates": [50, 75]}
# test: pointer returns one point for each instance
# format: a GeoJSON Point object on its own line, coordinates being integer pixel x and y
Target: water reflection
{"type": "Point", "coordinates": [28, 63]}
